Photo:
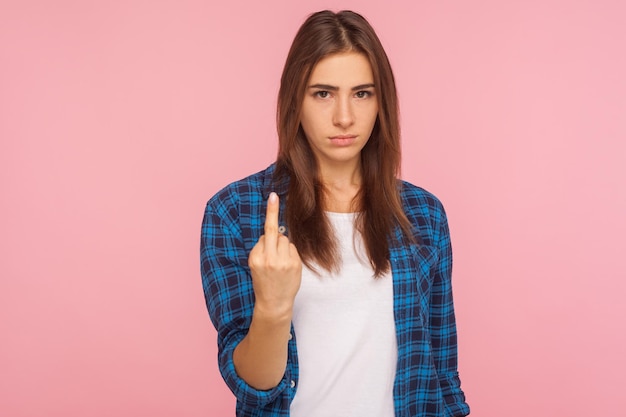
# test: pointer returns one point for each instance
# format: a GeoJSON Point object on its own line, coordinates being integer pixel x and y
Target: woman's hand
{"type": "Point", "coordinates": [261, 356]}
{"type": "Point", "coordinates": [275, 266]}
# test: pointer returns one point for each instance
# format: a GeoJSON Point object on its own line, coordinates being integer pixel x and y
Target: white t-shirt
{"type": "Point", "coordinates": [345, 336]}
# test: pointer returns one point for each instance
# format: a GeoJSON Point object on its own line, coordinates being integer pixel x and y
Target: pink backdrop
{"type": "Point", "coordinates": [119, 119]}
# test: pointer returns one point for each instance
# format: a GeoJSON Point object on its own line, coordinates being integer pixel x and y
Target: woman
{"type": "Point", "coordinates": [326, 277]}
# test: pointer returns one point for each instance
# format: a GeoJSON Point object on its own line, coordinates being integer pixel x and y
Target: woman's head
{"type": "Point", "coordinates": [323, 34]}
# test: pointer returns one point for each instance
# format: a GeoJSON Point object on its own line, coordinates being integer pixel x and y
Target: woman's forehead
{"type": "Point", "coordinates": [345, 69]}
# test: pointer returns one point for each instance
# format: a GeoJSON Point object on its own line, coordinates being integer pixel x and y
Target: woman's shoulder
{"type": "Point", "coordinates": [424, 211]}
{"type": "Point", "coordinates": [420, 203]}
{"type": "Point", "coordinates": [415, 196]}
{"type": "Point", "coordinates": [251, 190]}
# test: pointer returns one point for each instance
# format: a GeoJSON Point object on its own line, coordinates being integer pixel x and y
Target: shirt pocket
{"type": "Point", "coordinates": [423, 262]}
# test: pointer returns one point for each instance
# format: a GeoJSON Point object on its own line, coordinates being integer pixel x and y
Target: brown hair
{"type": "Point", "coordinates": [380, 208]}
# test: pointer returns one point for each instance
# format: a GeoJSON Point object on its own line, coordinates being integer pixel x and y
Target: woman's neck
{"type": "Point", "coordinates": [341, 186]}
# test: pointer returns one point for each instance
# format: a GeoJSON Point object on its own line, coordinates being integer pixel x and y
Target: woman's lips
{"type": "Point", "coordinates": [343, 140]}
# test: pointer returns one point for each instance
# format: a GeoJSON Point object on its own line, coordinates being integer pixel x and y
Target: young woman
{"type": "Point", "coordinates": [327, 278]}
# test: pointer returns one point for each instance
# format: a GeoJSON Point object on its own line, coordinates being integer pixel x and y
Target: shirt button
{"type": "Point", "coordinates": [282, 229]}
{"type": "Point", "coordinates": [293, 383]}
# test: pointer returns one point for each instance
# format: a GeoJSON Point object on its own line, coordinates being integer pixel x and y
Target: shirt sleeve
{"type": "Point", "coordinates": [442, 324]}
{"type": "Point", "coordinates": [229, 294]}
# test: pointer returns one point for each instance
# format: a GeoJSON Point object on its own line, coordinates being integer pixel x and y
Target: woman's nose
{"type": "Point", "coordinates": [343, 115]}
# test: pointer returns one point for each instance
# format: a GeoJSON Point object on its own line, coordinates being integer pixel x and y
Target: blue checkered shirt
{"type": "Point", "coordinates": [426, 383]}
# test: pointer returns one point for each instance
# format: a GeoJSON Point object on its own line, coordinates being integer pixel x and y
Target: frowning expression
{"type": "Point", "coordinates": [339, 109]}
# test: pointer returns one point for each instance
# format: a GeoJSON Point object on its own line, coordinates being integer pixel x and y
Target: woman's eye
{"type": "Point", "coordinates": [322, 94]}
{"type": "Point", "coordinates": [363, 94]}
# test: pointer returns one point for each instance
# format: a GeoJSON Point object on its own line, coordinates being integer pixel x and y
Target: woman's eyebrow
{"type": "Point", "coordinates": [335, 88]}
{"type": "Point", "coordinates": [324, 87]}
{"type": "Point", "coordinates": [363, 86]}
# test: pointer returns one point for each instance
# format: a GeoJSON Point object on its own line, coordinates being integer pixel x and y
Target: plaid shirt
{"type": "Point", "coordinates": [426, 383]}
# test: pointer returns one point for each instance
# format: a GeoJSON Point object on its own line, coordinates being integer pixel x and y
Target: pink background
{"type": "Point", "coordinates": [119, 119]}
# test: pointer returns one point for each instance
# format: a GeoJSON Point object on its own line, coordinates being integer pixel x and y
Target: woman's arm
{"type": "Point", "coordinates": [442, 324]}
{"type": "Point", "coordinates": [241, 318]}
{"type": "Point", "coordinates": [261, 357]}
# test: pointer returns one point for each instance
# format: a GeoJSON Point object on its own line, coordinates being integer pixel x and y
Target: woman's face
{"type": "Point", "coordinates": [339, 109]}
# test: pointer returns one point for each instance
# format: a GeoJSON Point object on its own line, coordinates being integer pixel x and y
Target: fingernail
{"type": "Point", "coordinates": [273, 197]}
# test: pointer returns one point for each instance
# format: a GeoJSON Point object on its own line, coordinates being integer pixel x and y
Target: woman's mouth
{"type": "Point", "coordinates": [343, 140]}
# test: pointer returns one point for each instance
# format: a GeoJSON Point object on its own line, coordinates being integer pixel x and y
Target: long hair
{"type": "Point", "coordinates": [380, 208]}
